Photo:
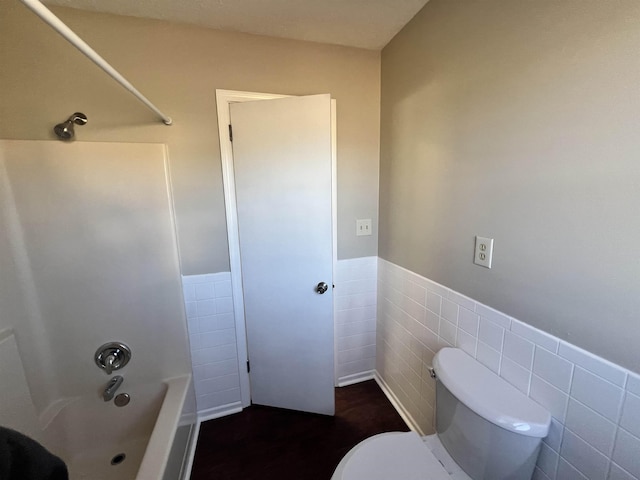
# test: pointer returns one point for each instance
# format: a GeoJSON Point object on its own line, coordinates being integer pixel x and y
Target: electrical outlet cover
{"type": "Point", "coordinates": [483, 252]}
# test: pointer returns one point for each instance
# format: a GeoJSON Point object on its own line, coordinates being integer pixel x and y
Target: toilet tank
{"type": "Point", "coordinates": [491, 429]}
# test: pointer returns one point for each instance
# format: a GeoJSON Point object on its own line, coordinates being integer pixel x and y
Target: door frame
{"type": "Point", "coordinates": [223, 100]}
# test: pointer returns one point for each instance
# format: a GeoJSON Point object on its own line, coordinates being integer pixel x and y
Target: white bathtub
{"type": "Point", "coordinates": [91, 435]}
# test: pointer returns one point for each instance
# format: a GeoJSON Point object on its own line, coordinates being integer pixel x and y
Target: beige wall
{"type": "Point", "coordinates": [179, 67]}
{"type": "Point", "coordinates": [520, 120]}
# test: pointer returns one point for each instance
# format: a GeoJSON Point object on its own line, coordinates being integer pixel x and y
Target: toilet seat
{"type": "Point", "coordinates": [389, 456]}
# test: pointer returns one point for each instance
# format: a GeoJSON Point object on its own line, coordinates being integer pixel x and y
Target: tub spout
{"type": "Point", "coordinates": [111, 388]}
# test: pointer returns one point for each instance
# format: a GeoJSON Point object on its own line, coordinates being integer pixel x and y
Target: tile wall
{"type": "Point", "coordinates": [595, 404]}
{"type": "Point", "coordinates": [595, 432]}
{"type": "Point", "coordinates": [355, 319]}
{"type": "Point", "coordinates": [209, 306]}
{"type": "Point", "coordinates": [212, 333]}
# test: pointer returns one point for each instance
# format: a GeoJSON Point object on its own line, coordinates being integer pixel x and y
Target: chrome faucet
{"type": "Point", "coordinates": [112, 356]}
{"type": "Point", "coordinates": [108, 364]}
{"type": "Point", "coordinates": [112, 386]}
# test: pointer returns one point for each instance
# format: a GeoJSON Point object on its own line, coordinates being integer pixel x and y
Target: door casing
{"type": "Point", "coordinates": [223, 99]}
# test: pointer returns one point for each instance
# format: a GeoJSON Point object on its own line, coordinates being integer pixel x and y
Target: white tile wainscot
{"type": "Point", "coordinates": [595, 432]}
{"type": "Point", "coordinates": [355, 319]}
{"type": "Point", "coordinates": [209, 306]}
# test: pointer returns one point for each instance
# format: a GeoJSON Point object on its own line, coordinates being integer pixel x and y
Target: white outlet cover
{"type": "Point", "coordinates": [483, 252]}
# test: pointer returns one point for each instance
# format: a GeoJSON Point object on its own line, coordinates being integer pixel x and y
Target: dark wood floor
{"type": "Point", "coordinates": [263, 443]}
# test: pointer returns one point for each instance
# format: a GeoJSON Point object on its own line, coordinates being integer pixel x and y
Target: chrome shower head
{"type": "Point", "coordinates": [64, 130]}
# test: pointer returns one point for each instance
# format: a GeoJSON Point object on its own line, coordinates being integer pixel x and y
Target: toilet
{"type": "Point", "coordinates": [486, 429]}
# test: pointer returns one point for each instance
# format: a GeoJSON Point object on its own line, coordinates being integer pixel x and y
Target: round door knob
{"type": "Point", "coordinates": [322, 287]}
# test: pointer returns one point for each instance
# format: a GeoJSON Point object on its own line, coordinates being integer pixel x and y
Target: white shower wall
{"type": "Point", "coordinates": [90, 251]}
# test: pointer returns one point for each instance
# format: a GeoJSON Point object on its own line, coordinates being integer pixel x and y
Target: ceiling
{"type": "Point", "coordinates": [357, 23]}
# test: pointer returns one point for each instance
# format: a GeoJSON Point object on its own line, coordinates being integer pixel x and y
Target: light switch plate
{"type": "Point", "coordinates": [483, 252]}
{"type": "Point", "coordinates": [363, 227]}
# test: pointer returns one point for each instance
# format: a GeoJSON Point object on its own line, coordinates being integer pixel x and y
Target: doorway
{"type": "Point", "coordinates": [247, 305]}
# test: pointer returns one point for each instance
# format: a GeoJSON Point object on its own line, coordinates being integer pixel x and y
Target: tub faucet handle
{"type": "Point", "coordinates": [108, 364]}
{"type": "Point", "coordinates": [112, 356]}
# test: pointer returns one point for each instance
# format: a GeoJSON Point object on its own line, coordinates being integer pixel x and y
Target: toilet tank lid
{"type": "Point", "coordinates": [488, 395]}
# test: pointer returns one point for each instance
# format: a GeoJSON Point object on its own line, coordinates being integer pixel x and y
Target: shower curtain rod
{"type": "Point", "coordinates": [47, 15]}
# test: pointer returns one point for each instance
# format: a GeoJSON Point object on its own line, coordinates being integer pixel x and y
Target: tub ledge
{"type": "Point", "coordinates": [157, 453]}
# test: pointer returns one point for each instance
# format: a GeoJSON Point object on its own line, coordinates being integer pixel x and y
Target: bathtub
{"type": "Point", "coordinates": [100, 441]}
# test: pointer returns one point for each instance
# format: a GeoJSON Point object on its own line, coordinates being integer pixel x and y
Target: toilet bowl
{"type": "Point", "coordinates": [485, 430]}
{"type": "Point", "coordinates": [399, 455]}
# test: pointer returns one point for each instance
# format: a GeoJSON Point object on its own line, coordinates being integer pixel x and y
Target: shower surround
{"type": "Point", "coordinates": [89, 255]}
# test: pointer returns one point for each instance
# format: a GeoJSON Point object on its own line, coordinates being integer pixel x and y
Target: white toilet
{"type": "Point", "coordinates": [486, 430]}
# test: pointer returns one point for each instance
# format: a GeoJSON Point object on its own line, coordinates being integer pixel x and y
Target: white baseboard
{"type": "Point", "coordinates": [356, 378]}
{"type": "Point", "coordinates": [221, 411]}
{"type": "Point", "coordinates": [397, 404]}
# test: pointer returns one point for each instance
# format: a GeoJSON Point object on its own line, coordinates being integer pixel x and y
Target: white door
{"type": "Point", "coordinates": [282, 166]}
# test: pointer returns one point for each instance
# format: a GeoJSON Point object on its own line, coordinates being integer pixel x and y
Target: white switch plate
{"type": "Point", "coordinates": [363, 227]}
{"type": "Point", "coordinates": [483, 252]}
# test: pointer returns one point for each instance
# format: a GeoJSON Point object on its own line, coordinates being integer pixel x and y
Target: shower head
{"type": "Point", "coordinates": [64, 130]}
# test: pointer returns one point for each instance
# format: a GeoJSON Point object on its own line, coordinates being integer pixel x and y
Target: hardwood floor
{"type": "Point", "coordinates": [263, 443]}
